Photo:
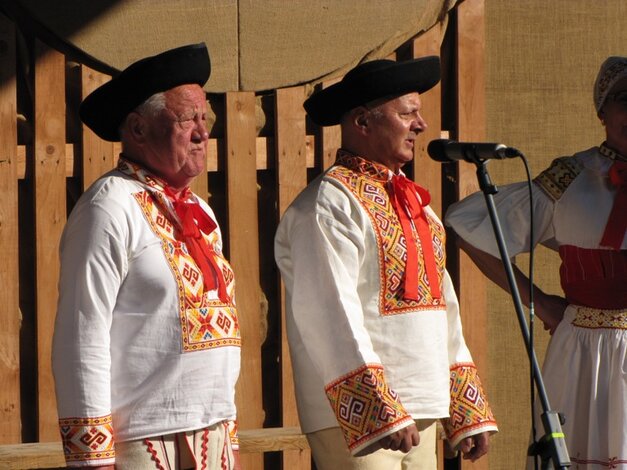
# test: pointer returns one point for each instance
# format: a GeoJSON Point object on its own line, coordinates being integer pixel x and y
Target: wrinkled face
{"type": "Point", "coordinates": [392, 129]}
{"type": "Point", "coordinates": [176, 146]}
{"type": "Point", "coordinates": [614, 114]}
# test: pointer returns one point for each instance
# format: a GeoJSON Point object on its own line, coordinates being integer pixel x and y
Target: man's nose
{"type": "Point", "coordinates": [419, 124]}
{"type": "Point", "coordinates": [200, 133]}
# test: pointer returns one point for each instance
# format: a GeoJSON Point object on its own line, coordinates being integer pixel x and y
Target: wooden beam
{"type": "Point", "coordinates": [10, 430]}
{"type": "Point", "coordinates": [265, 147]}
{"type": "Point", "coordinates": [50, 217]}
{"type": "Point", "coordinates": [291, 178]}
{"type": "Point", "coordinates": [98, 155]}
{"type": "Point", "coordinates": [241, 172]}
{"type": "Point", "coordinates": [471, 126]}
{"type": "Point", "coordinates": [427, 172]}
{"type": "Point", "coordinates": [50, 454]}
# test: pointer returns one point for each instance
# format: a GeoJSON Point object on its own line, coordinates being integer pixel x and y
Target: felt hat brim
{"type": "Point", "coordinates": [106, 107]}
{"type": "Point", "coordinates": [371, 81]}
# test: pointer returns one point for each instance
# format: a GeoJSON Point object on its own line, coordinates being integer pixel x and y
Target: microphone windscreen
{"type": "Point", "coordinates": [437, 150]}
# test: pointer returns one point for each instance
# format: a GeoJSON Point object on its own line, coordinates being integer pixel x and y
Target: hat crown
{"type": "Point", "coordinates": [366, 68]}
{"type": "Point", "coordinates": [370, 81]}
{"type": "Point", "coordinates": [104, 110]}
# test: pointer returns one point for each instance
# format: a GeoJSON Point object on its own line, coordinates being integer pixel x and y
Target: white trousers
{"type": "Point", "coordinates": [330, 452]}
{"type": "Point", "coordinates": [204, 449]}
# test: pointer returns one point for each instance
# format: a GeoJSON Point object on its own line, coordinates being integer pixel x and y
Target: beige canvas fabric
{"type": "Point", "coordinates": [542, 59]}
{"type": "Point", "coordinates": [254, 45]}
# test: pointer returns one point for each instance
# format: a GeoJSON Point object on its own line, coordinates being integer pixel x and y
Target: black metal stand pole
{"type": "Point", "coordinates": [552, 446]}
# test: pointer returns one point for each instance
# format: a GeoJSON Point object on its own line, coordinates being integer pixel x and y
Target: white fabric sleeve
{"type": "Point", "coordinates": [93, 263]}
{"type": "Point", "coordinates": [326, 256]}
{"type": "Point", "coordinates": [457, 350]}
{"type": "Point", "coordinates": [469, 218]}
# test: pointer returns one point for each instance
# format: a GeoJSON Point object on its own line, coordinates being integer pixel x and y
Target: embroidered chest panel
{"type": "Point", "coordinates": [206, 322]}
{"type": "Point", "coordinates": [555, 180]}
{"type": "Point", "coordinates": [392, 249]}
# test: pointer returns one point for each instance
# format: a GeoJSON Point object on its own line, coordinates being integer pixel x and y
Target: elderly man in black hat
{"type": "Point", "coordinates": [146, 349]}
{"type": "Point", "coordinates": [373, 321]}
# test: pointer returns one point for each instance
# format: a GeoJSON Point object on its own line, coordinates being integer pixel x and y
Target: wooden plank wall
{"type": "Point", "coordinates": [10, 406]}
{"type": "Point", "coordinates": [253, 174]}
{"type": "Point", "coordinates": [470, 127]}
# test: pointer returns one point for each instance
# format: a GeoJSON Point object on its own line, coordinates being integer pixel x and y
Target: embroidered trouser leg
{"type": "Point", "coordinates": [206, 449]}
{"type": "Point", "coordinates": [331, 453]}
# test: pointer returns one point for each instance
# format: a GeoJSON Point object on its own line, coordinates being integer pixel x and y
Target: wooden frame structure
{"type": "Point", "coordinates": [48, 159]}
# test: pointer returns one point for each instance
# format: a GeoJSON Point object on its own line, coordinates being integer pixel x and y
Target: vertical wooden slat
{"type": "Point", "coordinates": [241, 170]}
{"type": "Point", "coordinates": [292, 178]}
{"type": "Point", "coordinates": [330, 138]}
{"type": "Point", "coordinates": [471, 122]}
{"type": "Point", "coordinates": [98, 156]}
{"type": "Point", "coordinates": [50, 217]}
{"type": "Point", "coordinates": [427, 172]}
{"type": "Point", "coordinates": [10, 429]}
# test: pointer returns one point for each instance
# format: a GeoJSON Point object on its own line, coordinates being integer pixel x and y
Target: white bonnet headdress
{"type": "Point", "coordinates": [612, 70]}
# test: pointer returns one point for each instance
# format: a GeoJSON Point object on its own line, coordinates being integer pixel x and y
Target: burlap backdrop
{"type": "Point", "coordinates": [254, 45]}
{"type": "Point", "coordinates": [542, 58]}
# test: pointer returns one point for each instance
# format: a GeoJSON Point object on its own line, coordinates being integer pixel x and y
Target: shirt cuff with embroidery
{"type": "Point", "coordinates": [87, 441]}
{"type": "Point", "coordinates": [365, 408]}
{"type": "Point", "coordinates": [470, 412]}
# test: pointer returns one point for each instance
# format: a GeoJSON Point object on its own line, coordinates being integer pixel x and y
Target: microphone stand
{"type": "Point", "coordinates": [551, 446]}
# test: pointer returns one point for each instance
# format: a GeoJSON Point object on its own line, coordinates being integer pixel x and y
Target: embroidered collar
{"type": "Point", "coordinates": [611, 154]}
{"type": "Point", "coordinates": [154, 185]}
{"type": "Point", "coordinates": [141, 174]}
{"type": "Point", "coordinates": [361, 165]}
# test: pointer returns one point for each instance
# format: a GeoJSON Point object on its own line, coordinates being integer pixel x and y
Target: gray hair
{"type": "Point", "coordinates": [151, 108]}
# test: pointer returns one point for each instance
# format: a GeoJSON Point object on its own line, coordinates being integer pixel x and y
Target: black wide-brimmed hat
{"type": "Point", "coordinates": [106, 107]}
{"type": "Point", "coordinates": [370, 81]}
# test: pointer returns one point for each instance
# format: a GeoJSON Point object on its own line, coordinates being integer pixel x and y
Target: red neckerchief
{"type": "Point", "coordinates": [617, 221]}
{"type": "Point", "coordinates": [194, 222]}
{"type": "Point", "coordinates": [408, 200]}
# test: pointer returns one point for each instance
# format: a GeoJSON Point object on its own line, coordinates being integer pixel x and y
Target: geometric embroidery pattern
{"type": "Point", "coordinates": [556, 178]}
{"type": "Point", "coordinates": [88, 439]}
{"type": "Point", "coordinates": [206, 322]}
{"type": "Point", "coordinates": [233, 435]}
{"type": "Point", "coordinates": [595, 318]}
{"type": "Point", "coordinates": [368, 182]}
{"type": "Point", "coordinates": [469, 408]}
{"type": "Point", "coordinates": [364, 405]}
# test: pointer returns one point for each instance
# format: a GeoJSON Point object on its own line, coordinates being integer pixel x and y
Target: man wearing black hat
{"type": "Point", "coordinates": [146, 348]}
{"type": "Point", "coordinates": [372, 316]}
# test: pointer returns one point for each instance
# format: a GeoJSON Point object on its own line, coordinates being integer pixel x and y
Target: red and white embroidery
{"type": "Point", "coordinates": [469, 408]}
{"type": "Point", "coordinates": [364, 405]}
{"type": "Point", "coordinates": [88, 440]}
{"type": "Point", "coordinates": [367, 182]}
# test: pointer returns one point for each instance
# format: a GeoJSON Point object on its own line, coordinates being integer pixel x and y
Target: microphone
{"type": "Point", "coordinates": [445, 150]}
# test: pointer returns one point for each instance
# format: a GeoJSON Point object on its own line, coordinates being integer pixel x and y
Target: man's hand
{"type": "Point", "coordinates": [403, 439]}
{"type": "Point", "coordinates": [475, 447]}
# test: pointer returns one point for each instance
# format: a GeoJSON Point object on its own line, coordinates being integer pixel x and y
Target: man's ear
{"type": "Point", "coordinates": [137, 126]}
{"type": "Point", "coordinates": [361, 118]}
